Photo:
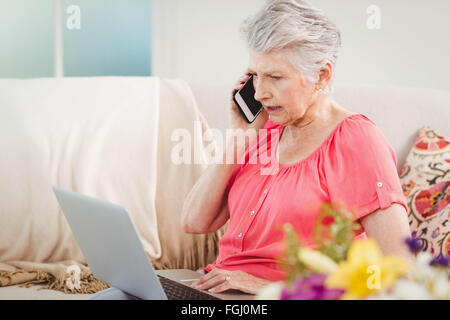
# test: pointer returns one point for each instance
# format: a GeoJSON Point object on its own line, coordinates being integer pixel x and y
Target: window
{"type": "Point", "coordinates": [81, 37]}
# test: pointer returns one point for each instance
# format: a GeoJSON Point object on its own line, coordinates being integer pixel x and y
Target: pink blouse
{"type": "Point", "coordinates": [354, 165]}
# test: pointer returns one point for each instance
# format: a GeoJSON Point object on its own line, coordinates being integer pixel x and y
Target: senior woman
{"type": "Point", "coordinates": [324, 153]}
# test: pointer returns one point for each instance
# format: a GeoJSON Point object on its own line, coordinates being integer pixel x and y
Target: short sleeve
{"type": "Point", "coordinates": [361, 168]}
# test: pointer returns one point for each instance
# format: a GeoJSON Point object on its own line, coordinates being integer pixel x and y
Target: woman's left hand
{"type": "Point", "coordinates": [219, 280]}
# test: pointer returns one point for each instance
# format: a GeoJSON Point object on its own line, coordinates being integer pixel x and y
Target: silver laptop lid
{"type": "Point", "coordinates": [110, 244]}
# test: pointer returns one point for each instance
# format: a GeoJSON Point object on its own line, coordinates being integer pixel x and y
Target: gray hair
{"type": "Point", "coordinates": [307, 35]}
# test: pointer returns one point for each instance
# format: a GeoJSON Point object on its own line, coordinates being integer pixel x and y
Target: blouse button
{"type": "Point", "coordinates": [240, 234]}
{"type": "Point", "coordinates": [379, 184]}
{"type": "Point", "coordinates": [265, 191]}
{"type": "Point", "coordinates": [252, 213]}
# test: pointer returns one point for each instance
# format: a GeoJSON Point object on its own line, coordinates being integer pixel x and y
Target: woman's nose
{"type": "Point", "coordinates": [261, 92]}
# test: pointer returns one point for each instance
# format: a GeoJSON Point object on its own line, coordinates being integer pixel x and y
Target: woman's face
{"type": "Point", "coordinates": [281, 89]}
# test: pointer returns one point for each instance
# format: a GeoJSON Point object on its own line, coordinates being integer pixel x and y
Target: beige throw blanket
{"type": "Point", "coordinates": [106, 137]}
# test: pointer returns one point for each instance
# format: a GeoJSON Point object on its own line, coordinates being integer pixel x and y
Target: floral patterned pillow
{"type": "Point", "coordinates": [425, 179]}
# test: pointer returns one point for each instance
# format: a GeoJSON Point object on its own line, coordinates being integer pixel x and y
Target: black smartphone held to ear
{"type": "Point", "coordinates": [245, 100]}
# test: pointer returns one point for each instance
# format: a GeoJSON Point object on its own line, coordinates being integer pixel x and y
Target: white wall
{"type": "Point", "coordinates": [198, 40]}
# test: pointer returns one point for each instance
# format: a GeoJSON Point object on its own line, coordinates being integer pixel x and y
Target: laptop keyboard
{"type": "Point", "coordinates": [178, 291]}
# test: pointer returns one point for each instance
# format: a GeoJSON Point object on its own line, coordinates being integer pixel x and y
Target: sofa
{"type": "Point", "coordinates": [398, 111]}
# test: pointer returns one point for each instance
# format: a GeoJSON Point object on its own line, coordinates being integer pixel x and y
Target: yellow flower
{"type": "Point", "coordinates": [366, 270]}
{"type": "Point", "coordinates": [316, 261]}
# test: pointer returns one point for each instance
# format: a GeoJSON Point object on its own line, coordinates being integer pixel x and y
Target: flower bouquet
{"type": "Point", "coordinates": [341, 267]}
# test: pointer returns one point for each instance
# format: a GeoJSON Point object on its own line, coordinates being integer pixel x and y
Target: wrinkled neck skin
{"type": "Point", "coordinates": [321, 115]}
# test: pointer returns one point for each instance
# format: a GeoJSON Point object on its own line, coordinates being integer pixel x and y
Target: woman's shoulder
{"type": "Point", "coordinates": [356, 126]}
{"type": "Point", "coordinates": [358, 133]}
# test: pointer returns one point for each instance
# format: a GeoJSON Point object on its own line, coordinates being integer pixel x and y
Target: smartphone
{"type": "Point", "coordinates": [245, 100]}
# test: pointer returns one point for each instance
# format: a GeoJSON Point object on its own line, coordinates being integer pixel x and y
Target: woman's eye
{"type": "Point", "coordinates": [276, 78]}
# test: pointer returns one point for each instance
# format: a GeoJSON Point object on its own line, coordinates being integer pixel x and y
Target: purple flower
{"type": "Point", "coordinates": [311, 288]}
{"type": "Point", "coordinates": [415, 244]}
{"type": "Point", "coordinates": [440, 261]}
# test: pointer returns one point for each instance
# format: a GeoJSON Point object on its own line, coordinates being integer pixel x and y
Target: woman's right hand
{"type": "Point", "coordinates": [236, 117]}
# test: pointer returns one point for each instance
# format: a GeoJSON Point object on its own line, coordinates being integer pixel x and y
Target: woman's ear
{"type": "Point", "coordinates": [325, 75]}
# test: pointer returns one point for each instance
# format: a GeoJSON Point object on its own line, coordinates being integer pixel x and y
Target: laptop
{"type": "Point", "coordinates": [115, 254]}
